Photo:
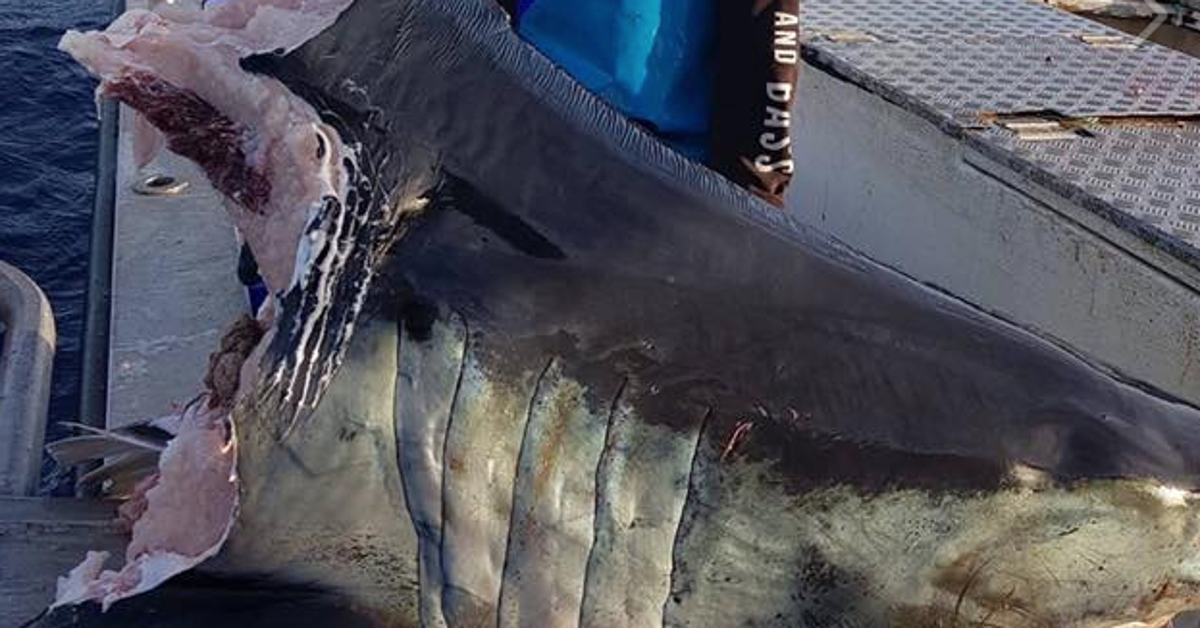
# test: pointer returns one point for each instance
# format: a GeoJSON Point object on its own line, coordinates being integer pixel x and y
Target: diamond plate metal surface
{"type": "Point", "coordinates": [927, 19]}
{"type": "Point", "coordinates": [1149, 173]}
{"type": "Point", "coordinates": [1068, 76]}
{"type": "Point", "coordinates": [951, 62]}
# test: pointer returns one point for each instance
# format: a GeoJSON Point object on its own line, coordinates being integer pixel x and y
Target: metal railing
{"type": "Point", "coordinates": [97, 316]}
{"type": "Point", "coordinates": [26, 359]}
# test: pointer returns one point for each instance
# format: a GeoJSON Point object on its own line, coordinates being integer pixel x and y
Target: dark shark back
{"type": "Point", "coordinates": [557, 219]}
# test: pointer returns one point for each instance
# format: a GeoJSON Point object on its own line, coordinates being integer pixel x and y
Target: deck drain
{"type": "Point", "coordinates": [160, 185]}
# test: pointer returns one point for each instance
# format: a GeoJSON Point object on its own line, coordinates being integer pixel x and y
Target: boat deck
{"type": "Point", "coordinates": [41, 539]}
{"type": "Point", "coordinates": [1038, 164]}
{"type": "Point", "coordinates": [972, 66]}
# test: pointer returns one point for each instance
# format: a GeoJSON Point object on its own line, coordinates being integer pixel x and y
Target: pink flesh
{"type": "Point", "coordinates": [194, 498]}
{"type": "Point", "coordinates": [136, 505]}
{"type": "Point", "coordinates": [196, 130]}
{"type": "Point", "coordinates": [267, 146]}
{"type": "Point", "coordinates": [187, 516]}
{"type": "Point", "coordinates": [258, 144]}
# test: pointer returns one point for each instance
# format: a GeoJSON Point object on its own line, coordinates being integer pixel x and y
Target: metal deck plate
{"type": "Point", "coordinates": [951, 63]}
{"type": "Point", "coordinates": [929, 19]}
{"type": "Point", "coordinates": [1056, 72]}
{"type": "Point", "coordinates": [1149, 174]}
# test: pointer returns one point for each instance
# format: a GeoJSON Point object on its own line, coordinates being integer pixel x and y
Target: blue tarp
{"type": "Point", "coordinates": [651, 59]}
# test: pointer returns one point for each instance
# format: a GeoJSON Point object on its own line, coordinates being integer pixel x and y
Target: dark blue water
{"type": "Point", "coordinates": [48, 135]}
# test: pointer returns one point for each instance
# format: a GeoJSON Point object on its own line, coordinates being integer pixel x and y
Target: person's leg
{"type": "Point", "coordinates": [758, 62]}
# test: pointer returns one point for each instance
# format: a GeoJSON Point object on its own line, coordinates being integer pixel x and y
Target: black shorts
{"type": "Point", "coordinates": [758, 63]}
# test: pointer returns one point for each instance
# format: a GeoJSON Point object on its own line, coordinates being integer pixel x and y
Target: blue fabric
{"type": "Point", "coordinates": [651, 59]}
{"type": "Point", "coordinates": [257, 295]}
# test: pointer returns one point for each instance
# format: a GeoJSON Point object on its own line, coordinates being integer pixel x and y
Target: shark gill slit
{"type": "Point", "coordinates": [689, 494]}
{"type": "Point", "coordinates": [597, 481]}
{"type": "Point", "coordinates": [522, 451]}
{"type": "Point", "coordinates": [466, 349]}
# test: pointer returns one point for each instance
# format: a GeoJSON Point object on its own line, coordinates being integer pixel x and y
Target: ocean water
{"type": "Point", "coordinates": [48, 137]}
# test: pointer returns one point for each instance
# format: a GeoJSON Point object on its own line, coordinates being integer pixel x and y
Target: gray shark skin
{"type": "Point", "coordinates": [595, 385]}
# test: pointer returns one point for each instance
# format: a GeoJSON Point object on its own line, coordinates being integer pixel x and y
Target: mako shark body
{"type": "Point", "coordinates": [593, 384]}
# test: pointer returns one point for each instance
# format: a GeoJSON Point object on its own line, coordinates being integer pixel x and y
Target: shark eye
{"type": "Point", "coordinates": [322, 146]}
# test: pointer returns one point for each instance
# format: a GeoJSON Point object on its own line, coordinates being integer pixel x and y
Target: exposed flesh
{"type": "Point", "coordinates": [265, 148]}
{"type": "Point", "coordinates": [277, 165]}
{"type": "Point", "coordinates": [184, 519]}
